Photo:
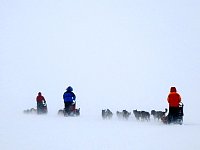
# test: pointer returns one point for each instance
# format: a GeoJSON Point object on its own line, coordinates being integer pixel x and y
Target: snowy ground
{"type": "Point", "coordinates": [20, 131]}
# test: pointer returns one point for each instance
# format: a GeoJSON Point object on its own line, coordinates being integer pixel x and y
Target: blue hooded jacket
{"type": "Point", "coordinates": [69, 96]}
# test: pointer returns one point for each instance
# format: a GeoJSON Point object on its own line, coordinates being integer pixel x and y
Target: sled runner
{"type": "Point", "coordinates": [71, 111]}
{"type": "Point", "coordinates": [42, 107]}
{"type": "Point", "coordinates": [180, 115]}
{"type": "Point", "coordinates": [175, 118]}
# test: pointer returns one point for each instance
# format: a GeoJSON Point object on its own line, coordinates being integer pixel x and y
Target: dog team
{"type": "Point", "coordinates": [175, 110]}
{"type": "Point", "coordinates": [175, 114]}
{"type": "Point", "coordinates": [69, 104]}
{"type": "Point", "coordinates": [139, 115]}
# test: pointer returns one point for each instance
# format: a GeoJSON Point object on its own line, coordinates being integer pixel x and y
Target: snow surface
{"type": "Point", "coordinates": [115, 54]}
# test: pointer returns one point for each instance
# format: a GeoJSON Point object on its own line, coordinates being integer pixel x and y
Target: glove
{"type": "Point", "coordinates": [73, 102]}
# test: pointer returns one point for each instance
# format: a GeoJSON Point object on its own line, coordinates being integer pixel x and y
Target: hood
{"type": "Point", "coordinates": [69, 89]}
{"type": "Point", "coordinates": [173, 89]}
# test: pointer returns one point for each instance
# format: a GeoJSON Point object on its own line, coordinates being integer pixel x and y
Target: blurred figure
{"type": "Point", "coordinates": [69, 101]}
{"type": "Point", "coordinates": [41, 104]}
{"type": "Point", "coordinates": [173, 99]}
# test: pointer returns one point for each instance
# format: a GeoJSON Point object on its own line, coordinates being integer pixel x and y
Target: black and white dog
{"type": "Point", "coordinates": [158, 114]}
{"type": "Point", "coordinates": [30, 111]}
{"type": "Point", "coordinates": [141, 115]}
{"type": "Point", "coordinates": [123, 115]}
{"type": "Point", "coordinates": [106, 114]}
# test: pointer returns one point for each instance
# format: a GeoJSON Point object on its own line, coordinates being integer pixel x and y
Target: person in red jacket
{"type": "Point", "coordinates": [173, 99]}
{"type": "Point", "coordinates": [41, 104]}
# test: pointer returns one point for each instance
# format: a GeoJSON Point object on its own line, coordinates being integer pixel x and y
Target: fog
{"type": "Point", "coordinates": [115, 54]}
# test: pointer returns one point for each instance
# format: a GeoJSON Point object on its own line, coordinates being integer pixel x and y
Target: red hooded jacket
{"type": "Point", "coordinates": [40, 98]}
{"type": "Point", "coordinates": [173, 98]}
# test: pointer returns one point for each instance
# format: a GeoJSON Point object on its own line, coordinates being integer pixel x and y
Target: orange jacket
{"type": "Point", "coordinates": [174, 99]}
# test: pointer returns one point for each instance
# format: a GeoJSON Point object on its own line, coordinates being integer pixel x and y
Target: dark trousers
{"type": "Point", "coordinates": [173, 114]}
{"type": "Point", "coordinates": [68, 107]}
{"type": "Point", "coordinates": [40, 107]}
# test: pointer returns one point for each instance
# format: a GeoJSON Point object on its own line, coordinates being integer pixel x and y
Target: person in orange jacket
{"type": "Point", "coordinates": [173, 99]}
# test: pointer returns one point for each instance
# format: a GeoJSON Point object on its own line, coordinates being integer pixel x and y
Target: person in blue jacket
{"type": "Point", "coordinates": [69, 100]}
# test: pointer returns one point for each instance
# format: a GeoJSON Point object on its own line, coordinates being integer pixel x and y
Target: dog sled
{"type": "Point", "coordinates": [41, 109]}
{"type": "Point", "coordinates": [175, 118]}
{"type": "Point", "coordinates": [35, 111]}
{"type": "Point", "coordinates": [70, 112]}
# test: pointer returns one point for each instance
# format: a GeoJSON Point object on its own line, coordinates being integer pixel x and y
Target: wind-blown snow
{"type": "Point", "coordinates": [115, 54]}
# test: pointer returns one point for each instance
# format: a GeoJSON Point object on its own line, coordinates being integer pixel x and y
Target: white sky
{"type": "Point", "coordinates": [113, 53]}
{"type": "Point", "coordinates": [117, 54]}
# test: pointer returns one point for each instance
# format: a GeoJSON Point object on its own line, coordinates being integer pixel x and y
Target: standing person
{"type": "Point", "coordinates": [41, 104]}
{"type": "Point", "coordinates": [173, 99]}
{"type": "Point", "coordinates": [69, 100]}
